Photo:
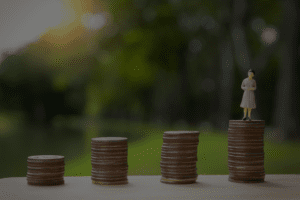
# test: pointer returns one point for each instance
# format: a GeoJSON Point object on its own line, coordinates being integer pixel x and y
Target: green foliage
{"type": "Point", "coordinates": [254, 42]}
{"type": "Point", "coordinates": [164, 10]}
{"type": "Point", "coordinates": [60, 82]}
{"type": "Point", "coordinates": [131, 60]}
{"type": "Point", "coordinates": [270, 74]}
{"type": "Point", "coordinates": [237, 93]}
{"type": "Point", "coordinates": [268, 87]}
{"type": "Point", "coordinates": [132, 36]}
{"type": "Point", "coordinates": [271, 11]}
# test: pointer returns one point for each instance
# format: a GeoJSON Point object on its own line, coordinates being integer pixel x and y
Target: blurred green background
{"type": "Point", "coordinates": [137, 68]}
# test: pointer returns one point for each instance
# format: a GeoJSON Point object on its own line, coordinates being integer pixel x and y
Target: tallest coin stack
{"type": "Point", "coordinates": [179, 157]}
{"type": "Point", "coordinates": [246, 151]}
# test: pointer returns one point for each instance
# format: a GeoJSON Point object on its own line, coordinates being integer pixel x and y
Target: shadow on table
{"type": "Point", "coordinates": [128, 185]}
{"type": "Point", "coordinates": [193, 185]}
{"type": "Point", "coordinates": [264, 184]}
{"type": "Point", "coordinates": [273, 185]}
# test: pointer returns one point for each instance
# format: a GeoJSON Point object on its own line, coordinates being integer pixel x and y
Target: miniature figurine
{"type": "Point", "coordinates": [248, 101]}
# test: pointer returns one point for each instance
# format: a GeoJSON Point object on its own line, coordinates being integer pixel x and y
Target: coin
{"type": "Point", "coordinates": [45, 158]}
{"type": "Point", "coordinates": [111, 172]}
{"type": "Point", "coordinates": [246, 151]}
{"type": "Point", "coordinates": [248, 135]}
{"type": "Point", "coordinates": [109, 150]}
{"type": "Point", "coordinates": [168, 169]}
{"type": "Point", "coordinates": [109, 139]}
{"type": "Point", "coordinates": [179, 147]}
{"type": "Point", "coordinates": [109, 160]}
{"type": "Point", "coordinates": [49, 174]}
{"type": "Point", "coordinates": [179, 176]}
{"type": "Point", "coordinates": [179, 157]}
{"type": "Point", "coordinates": [178, 181]}
{"type": "Point", "coordinates": [246, 180]}
{"type": "Point", "coordinates": [190, 137]}
{"type": "Point", "coordinates": [243, 130]}
{"type": "Point", "coordinates": [247, 174]}
{"type": "Point", "coordinates": [112, 147]}
{"type": "Point", "coordinates": [246, 167]}
{"type": "Point", "coordinates": [237, 136]}
{"type": "Point", "coordinates": [97, 157]}
{"type": "Point", "coordinates": [247, 147]}
{"type": "Point", "coordinates": [247, 122]}
{"type": "Point", "coordinates": [177, 153]}
{"type": "Point", "coordinates": [249, 162]}
{"type": "Point", "coordinates": [109, 142]}
{"type": "Point", "coordinates": [180, 141]}
{"type": "Point", "coordinates": [45, 170]}
{"type": "Point", "coordinates": [181, 133]}
{"type": "Point", "coordinates": [178, 165]}
{"type": "Point", "coordinates": [110, 183]}
{"type": "Point", "coordinates": [109, 179]}
{"type": "Point", "coordinates": [98, 175]}
{"type": "Point", "coordinates": [248, 144]}
{"type": "Point", "coordinates": [189, 155]}
{"type": "Point", "coordinates": [244, 158]}
{"type": "Point", "coordinates": [109, 168]}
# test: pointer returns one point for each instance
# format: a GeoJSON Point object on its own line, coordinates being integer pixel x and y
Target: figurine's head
{"type": "Point", "coordinates": [251, 73]}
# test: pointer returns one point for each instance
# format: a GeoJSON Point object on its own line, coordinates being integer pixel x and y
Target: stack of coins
{"type": "Point", "coordinates": [109, 160]}
{"type": "Point", "coordinates": [45, 170]}
{"type": "Point", "coordinates": [179, 157]}
{"type": "Point", "coordinates": [246, 151]}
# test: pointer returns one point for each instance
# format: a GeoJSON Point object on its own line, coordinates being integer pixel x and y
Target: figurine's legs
{"type": "Point", "coordinates": [245, 112]}
{"type": "Point", "coordinates": [249, 112]}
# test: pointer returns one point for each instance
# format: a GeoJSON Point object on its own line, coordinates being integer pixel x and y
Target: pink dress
{"type": "Point", "coordinates": [248, 100]}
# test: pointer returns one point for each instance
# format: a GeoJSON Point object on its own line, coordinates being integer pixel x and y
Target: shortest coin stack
{"type": "Point", "coordinates": [179, 157]}
{"type": "Point", "coordinates": [109, 160]}
{"type": "Point", "coordinates": [45, 170]}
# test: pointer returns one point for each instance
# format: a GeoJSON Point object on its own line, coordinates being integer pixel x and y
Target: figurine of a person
{"type": "Point", "coordinates": [248, 101]}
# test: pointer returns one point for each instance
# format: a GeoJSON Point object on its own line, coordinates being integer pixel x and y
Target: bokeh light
{"type": "Point", "coordinates": [269, 36]}
{"type": "Point", "coordinates": [93, 21]}
{"type": "Point", "coordinates": [258, 25]}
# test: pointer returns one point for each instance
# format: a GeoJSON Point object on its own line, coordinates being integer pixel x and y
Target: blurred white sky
{"type": "Point", "coordinates": [23, 21]}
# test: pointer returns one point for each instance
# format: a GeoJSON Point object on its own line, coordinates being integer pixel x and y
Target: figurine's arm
{"type": "Point", "coordinates": [254, 85]}
{"type": "Point", "coordinates": [243, 86]}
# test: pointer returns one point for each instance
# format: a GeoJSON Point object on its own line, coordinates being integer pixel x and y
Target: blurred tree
{"type": "Point", "coordinates": [153, 45]}
{"type": "Point", "coordinates": [27, 86]}
{"type": "Point", "coordinates": [169, 39]}
{"type": "Point", "coordinates": [172, 60]}
{"type": "Point", "coordinates": [286, 112]}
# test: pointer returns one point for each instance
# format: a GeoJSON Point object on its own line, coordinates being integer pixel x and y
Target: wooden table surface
{"type": "Point", "coordinates": [149, 187]}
